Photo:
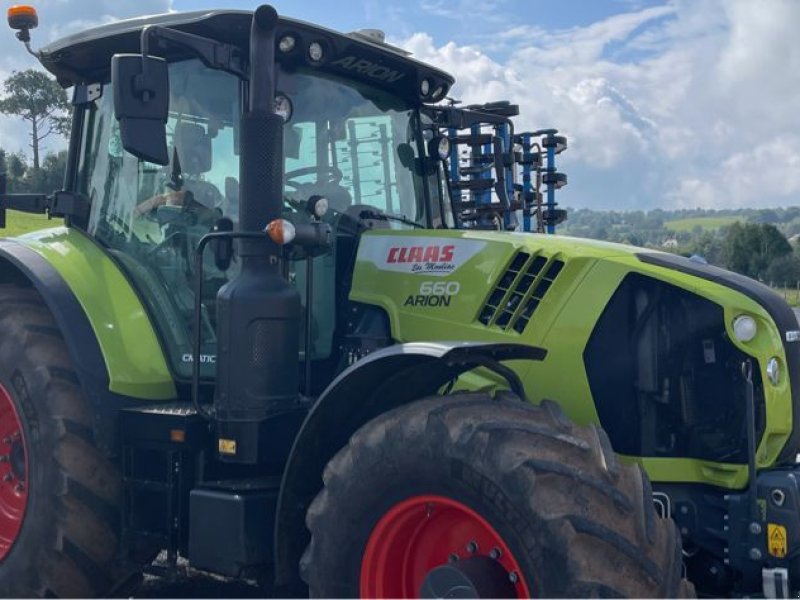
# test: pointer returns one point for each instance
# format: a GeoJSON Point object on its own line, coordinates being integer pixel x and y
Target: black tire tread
{"type": "Point", "coordinates": [606, 538]}
{"type": "Point", "coordinates": [78, 557]}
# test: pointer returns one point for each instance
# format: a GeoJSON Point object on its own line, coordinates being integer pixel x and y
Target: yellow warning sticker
{"type": "Point", "coordinates": [776, 540]}
{"type": "Point", "coordinates": [229, 447]}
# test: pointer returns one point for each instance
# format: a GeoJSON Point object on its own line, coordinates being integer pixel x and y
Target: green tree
{"type": "Point", "coordinates": [16, 167]}
{"type": "Point", "coordinates": [710, 247]}
{"type": "Point", "coordinates": [52, 172]}
{"type": "Point", "coordinates": [784, 270]}
{"type": "Point", "coordinates": [749, 248]}
{"type": "Point", "coordinates": [38, 99]}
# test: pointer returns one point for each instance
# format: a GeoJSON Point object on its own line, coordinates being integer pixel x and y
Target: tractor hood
{"type": "Point", "coordinates": [85, 57]}
{"type": "Point", "coordinates": [551, 291]}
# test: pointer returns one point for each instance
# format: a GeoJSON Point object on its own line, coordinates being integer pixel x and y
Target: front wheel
{"type": "Point", "coordinates": [469, 496]}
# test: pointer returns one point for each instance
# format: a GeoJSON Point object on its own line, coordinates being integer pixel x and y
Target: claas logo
{"type": "Point", "coordinates": [418, 254]}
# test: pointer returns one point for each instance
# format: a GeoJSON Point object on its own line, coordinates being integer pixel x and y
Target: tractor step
{"type": "Point", "coordinates": [176, 424]}
{"type": "Point", "coordinates": [160, 444]}
{"type": "Point", "coordinates": [232, 524]}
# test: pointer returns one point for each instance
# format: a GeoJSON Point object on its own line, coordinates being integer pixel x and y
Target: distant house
{"type": "Point", "coordinates": [670, 243]}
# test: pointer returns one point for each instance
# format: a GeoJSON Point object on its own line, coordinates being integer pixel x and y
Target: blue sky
{"type": "Point", "coordinates": [667, 103]}
{"type": "Point", "coordinates": [445, 20]}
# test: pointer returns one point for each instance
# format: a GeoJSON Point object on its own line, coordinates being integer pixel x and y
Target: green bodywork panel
{"type": "Point", "coordinates": [389, 276]}
{"type": "Point", "coordinates": [132, 353]}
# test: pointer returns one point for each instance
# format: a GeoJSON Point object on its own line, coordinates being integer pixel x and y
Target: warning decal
{"type": "Point", "coordinates": [226, 446]}
{"type": "Point", "coordinates": [776, 540]}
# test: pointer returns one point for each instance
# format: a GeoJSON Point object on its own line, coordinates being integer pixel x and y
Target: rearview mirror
{"type": "Point", "coordinates": [141, 104]}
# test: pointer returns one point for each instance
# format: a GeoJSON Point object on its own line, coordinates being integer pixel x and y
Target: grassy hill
{"type": "Point", "coordinates": [707, 223]}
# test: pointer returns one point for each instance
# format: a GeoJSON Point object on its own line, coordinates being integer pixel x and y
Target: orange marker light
{"type": "Point", "coordinates": [22, 16]}
{"type": "Point", "coordinates": [280, 231]}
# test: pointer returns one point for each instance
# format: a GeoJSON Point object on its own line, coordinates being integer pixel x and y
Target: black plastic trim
{"type": "Point", "coordinates": [85, 56]}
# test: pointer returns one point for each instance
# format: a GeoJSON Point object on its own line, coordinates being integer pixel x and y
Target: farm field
{"type": "Point", "coordinates": [707, 223]}
{"type": "Point", "coordinates": [18, 223]}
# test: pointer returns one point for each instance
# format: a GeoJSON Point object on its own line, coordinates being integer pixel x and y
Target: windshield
{"type": "Point", "coordinates": [353, 144]}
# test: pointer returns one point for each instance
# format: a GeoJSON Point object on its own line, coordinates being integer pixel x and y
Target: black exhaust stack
{"type": "Point", "coordinates": [258, 312]}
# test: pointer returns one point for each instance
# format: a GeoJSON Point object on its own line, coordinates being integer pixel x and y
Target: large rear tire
{"type": "Point", "coordinates": [509, 499]}
{"type": "Point", "coordinates": [59, 496]}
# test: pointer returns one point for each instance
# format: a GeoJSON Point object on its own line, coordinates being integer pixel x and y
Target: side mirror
{"type": "Point", "coordinates": [141, 104]}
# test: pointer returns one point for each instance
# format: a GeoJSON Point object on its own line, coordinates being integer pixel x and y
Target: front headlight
{"type": "Point", "coordinates": [744, 328]}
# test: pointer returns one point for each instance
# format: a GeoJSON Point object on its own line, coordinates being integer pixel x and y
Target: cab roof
{"type": "Point", "coordinates": [85, 57]}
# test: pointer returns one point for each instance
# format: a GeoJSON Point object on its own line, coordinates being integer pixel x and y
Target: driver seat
{"type": "Point", "coordinates": [194, 148]}
{"type": "Point", "coordinates": [193, 145]}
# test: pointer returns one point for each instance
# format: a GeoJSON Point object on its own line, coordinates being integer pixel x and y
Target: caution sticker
{"type": "Point", "coordinates": [776, 540]}
{"type": "Point", "coordinates": [229, 447]}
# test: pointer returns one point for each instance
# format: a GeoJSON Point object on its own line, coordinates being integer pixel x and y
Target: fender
{"type": "Point", "coordinates": [20, 262]}
{"type": "Point", "coordinates": [381, 381]}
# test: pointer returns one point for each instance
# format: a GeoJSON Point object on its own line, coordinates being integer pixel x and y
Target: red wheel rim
{"type": "Point", "coordinates": [13, 473]}
{"type": "Point", "coordinates": [422, 533]}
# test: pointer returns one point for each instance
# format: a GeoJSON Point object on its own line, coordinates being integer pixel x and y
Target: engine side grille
{"type": "Point", "coordinates": [519, 290]}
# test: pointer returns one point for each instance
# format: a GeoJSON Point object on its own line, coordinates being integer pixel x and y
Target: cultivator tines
{"type": "Point", "coordinates": [495, 176]}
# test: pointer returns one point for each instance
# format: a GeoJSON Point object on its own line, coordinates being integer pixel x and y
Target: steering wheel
{"type": "Point", "coordinates": [334, 175]}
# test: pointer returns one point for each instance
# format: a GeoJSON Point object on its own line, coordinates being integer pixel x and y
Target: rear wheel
{"type": "Point", "coordinates": [13, 473]}
{"type": "Point", "coordinates": [468, 496]}
{"type": "Point", "coordinates": [59, 496]}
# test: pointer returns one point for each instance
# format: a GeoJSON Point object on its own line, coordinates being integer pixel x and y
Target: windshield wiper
{"type": "Point", "coordinates": [371, 214]}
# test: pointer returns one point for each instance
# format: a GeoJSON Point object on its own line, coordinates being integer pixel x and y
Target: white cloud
{"type": "Point", "coordinates": [692, 103]}
{"type": "Point", "coordinates": [466, 10]}
{"type": "Point", "coordinates": [768, 170]}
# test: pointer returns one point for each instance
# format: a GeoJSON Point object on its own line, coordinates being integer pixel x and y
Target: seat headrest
{"type": "Point", "coordinates": [194, 148]}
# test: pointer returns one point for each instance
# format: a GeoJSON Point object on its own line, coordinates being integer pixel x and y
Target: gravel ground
{"type": "Point", "coordinates": [190, 583]}
{"type": "Point", "coordinates": [193, 584]}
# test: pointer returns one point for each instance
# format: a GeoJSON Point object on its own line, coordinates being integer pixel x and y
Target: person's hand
{"type": "Point", "coordinates": [166, 199]}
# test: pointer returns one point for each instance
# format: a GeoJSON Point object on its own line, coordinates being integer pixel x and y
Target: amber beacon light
{"type": "Point", "coordinates": [22, 17]}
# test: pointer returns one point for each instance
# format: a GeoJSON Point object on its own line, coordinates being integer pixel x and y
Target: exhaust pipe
{"type": "Point", "coordinates": [258, 312]}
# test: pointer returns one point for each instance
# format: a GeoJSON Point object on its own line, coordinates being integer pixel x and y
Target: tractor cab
{"type": "Point", "coordinates": [361, 130]}
{"type": "Point", "coordinates": [354, 135]}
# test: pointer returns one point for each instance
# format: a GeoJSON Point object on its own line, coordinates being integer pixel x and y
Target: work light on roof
{"type": "Point", "coordinates": [287, 43]}
{"type": "Point", "coordinates": [315, 51]}
{"type": "Point", "coordinates": [425, 87]}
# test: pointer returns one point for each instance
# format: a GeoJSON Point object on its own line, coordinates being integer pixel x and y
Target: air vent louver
{"type": "Point", "coordinates": [519, 290]}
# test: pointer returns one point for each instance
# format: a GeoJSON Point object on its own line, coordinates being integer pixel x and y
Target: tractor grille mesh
{"type": "Point", "coordinates": [519, 290]}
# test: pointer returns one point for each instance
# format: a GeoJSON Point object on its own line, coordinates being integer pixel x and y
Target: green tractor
{"type": "Point", "coordinates": [273, 339]}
